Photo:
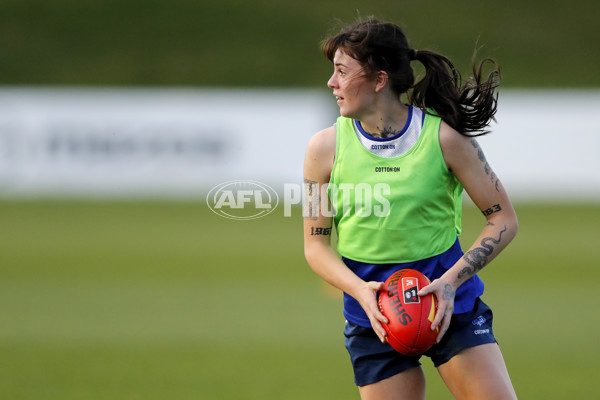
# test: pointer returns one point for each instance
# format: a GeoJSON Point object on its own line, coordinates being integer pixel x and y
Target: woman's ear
{"type": "Point", "coordinates": [382, 78]}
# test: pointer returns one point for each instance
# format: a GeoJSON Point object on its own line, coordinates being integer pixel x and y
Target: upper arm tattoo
{"type": "Point", "coordinates": [486, 166]}
{"type": "Point", "coordinates": [493, 209]}
{"type": "Point", "coordinates": [315, 231]}
{"type": "Point", "coordinates": [311, 201]}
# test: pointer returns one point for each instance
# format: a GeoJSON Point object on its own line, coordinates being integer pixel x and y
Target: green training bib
{"type": "Point", "coordinates": [393, 209]}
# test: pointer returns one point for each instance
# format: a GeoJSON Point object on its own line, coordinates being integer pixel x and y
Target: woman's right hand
{"type": "Point", "coordinates": [367, 297]}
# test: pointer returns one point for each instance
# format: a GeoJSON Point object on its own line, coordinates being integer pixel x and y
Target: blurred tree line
{"type": "Point", "coordinates": [225, 43]}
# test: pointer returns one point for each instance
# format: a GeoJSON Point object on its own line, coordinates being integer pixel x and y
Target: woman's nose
{"type": "Point", "coordinates": [331, 82]}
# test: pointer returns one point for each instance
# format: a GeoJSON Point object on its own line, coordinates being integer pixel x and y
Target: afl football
{"type": "Point", "coordinates": [410, 316]}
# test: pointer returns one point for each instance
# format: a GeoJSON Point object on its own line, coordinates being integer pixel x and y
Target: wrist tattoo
{"type": "Point", "coordinates": [449, 292]}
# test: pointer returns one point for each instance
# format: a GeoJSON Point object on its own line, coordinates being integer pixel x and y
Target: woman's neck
{"type": "Point", "coordinates": [386, 121]}
{"type": "Point", "coordinates": [385, 124]}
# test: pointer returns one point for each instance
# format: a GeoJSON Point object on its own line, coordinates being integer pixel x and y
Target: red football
{"type": "Point", "coordinates": [410, 316]}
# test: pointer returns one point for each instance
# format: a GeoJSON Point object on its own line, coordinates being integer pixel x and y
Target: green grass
{"type": "Point", "coordinates": [152, 300]}
{"type": "Point", "coordinates": [276, 43]}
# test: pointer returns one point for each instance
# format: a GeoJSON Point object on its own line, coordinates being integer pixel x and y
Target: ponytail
{"type": "Point", "coordinates": [467, 107]}
{"type": "Point", "coordinates": [382, 46]}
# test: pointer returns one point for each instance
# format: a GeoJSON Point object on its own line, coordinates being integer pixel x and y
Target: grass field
{"type": "Point", "coordinates": [151, 300]}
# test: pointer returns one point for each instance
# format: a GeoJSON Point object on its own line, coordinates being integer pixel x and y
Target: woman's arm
{"type": "Point", "coordinates": [465, 158]}
{"type": "Point", "coordinates": [321, 257]}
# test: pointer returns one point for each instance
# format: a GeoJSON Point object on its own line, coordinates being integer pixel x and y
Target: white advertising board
{"type": "Point", "coordinates": [158, 142]}
{"type": "Point", "coordinates": [182, 142]}
{"type": "Point", "coordinates": [546, 144]}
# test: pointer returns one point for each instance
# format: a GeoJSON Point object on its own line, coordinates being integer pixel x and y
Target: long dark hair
{"type": "Point", "coordinates": [382, 46]}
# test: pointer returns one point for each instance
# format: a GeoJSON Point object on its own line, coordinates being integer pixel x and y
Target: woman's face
{"type": "Point", "coordinates": [353, 90]}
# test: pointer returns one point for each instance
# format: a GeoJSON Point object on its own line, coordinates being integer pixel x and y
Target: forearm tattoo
{"type": "Point", "coordinates": [478, 257]}
{"type": "Point", "coordinates": [486, 167]}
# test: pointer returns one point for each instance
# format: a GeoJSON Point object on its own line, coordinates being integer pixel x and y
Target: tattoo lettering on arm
{"type": "Point", "coordinates": [486, 165]}
{"type": "Point", "coordinates": [310, 205]}
{"type": "Point", "coordinates": [314, 231]}
{"type": "Point", "coordinates": [477, 258]}
{"type": "Point", "coordinates": [493, 209]}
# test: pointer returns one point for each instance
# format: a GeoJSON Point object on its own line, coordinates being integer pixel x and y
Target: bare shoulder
{"type": "Point", "coordinates": [455, 147]}
{"type": "Point", "coordinates": [322, 142]}
{"type": "Point", "coordinates": [450, 138]}
{"type": "Point", "coordinates": [321, 145]}
{"type": "Point", "coordinates": [320, 152]}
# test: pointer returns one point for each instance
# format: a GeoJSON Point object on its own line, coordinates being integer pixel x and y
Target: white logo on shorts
{"type": "Point", "coordinates": [479, 321]}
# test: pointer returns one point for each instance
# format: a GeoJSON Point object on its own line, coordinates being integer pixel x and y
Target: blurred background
{"type": "Point", "coordinates": [118, 117]}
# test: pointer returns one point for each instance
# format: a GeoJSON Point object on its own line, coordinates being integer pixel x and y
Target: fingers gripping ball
{"type": "Point", "coordinates": [410, 316]}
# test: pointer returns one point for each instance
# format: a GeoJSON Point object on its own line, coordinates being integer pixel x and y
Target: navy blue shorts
{"type": "Point", "coordinates": [374, 361]}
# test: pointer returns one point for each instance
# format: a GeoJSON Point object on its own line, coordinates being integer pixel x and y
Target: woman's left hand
{"type": "Point", "coordinates": [444, 293]}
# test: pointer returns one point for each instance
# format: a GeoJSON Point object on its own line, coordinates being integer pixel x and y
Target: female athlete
{"type": "Point", "coordinates": [394, 167]}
